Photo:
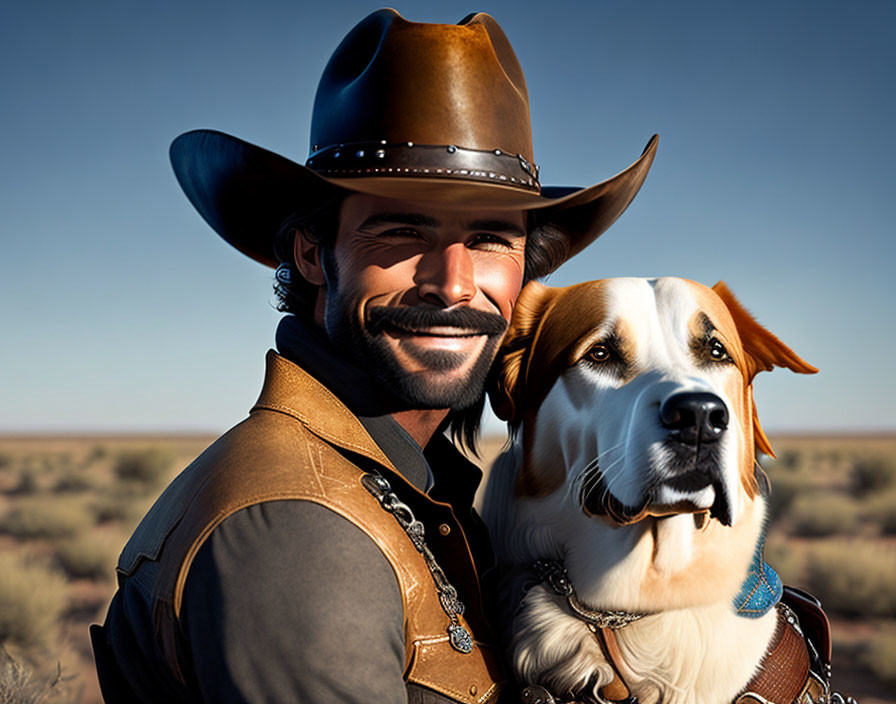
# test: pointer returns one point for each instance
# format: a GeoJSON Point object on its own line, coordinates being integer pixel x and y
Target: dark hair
{"type": "Point", "coordinates": [547, 246]}
{"type": "Point", "coordinates": [320, 225]}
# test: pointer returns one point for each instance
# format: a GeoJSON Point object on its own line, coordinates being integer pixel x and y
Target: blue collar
{"type": "Point", "coordinates": [761, 589]}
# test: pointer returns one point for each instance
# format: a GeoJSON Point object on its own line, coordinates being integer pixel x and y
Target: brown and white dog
{"type": "Point", "coordinates": [634, 466]}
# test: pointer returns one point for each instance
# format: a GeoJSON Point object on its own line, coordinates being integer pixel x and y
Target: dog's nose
{"type": "Point", "coordinates": [694, 416]}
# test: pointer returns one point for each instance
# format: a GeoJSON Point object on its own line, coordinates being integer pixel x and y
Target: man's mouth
{"type": "Point", "coordinates": [442, 331]}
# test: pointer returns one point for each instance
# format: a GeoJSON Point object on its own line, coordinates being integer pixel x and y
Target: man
{"type": "Point", "coordinates": [325, 549]}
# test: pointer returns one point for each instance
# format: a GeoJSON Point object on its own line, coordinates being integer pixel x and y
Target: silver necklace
{"type": "Point", "coordinates": [458, 635]}
{"type": "Point", "coordinates": [557, 578]}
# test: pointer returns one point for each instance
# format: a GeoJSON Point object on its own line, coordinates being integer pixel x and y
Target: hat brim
{"type": "Point", "coordinates": [245, 192]}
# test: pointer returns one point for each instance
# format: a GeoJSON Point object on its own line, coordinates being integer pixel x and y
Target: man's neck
{"type": "Point", "coordinates": [421, 425]}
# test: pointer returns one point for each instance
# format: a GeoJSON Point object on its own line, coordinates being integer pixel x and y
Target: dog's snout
{"type": "Point", "coordinates": [695, 416]}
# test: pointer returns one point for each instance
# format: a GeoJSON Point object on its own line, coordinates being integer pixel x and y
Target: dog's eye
{"type": "Point", "coordinates": [599, 354]}
{"type": "Point", "coordinates": [718, 352]}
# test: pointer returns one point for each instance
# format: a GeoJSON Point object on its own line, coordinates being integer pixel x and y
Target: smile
{"type": "Point", "coordinates": [444, 339]}
{"type": "Point", "coordinates": [442, 331]}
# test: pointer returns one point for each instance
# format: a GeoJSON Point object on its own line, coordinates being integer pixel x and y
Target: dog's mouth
{"type": "Point", "coordinates": [698, 490]}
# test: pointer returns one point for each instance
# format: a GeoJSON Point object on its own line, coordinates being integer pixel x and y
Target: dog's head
{"type": "Point", "coordinates": [633, 399]}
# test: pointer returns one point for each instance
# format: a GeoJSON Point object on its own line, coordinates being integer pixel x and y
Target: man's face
{"type": "Point", "coordinates": [423, 295]}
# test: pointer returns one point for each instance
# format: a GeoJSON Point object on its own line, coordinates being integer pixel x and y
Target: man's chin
{"type": "Point", "coordinates": [433, 363]}
{"type": "Point", "coordinates": [437, 379]}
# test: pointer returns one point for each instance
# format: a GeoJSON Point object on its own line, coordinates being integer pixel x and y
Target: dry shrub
{"type": "Point", "coordinates": [854, 578]}
{"type": "Point", "coordinates": [27, 484]}
{"type": "Point", "coordinates": [111, 507]}
{"type": "Point", "coordinates": [872, 474]}
{"type": "Point", "coordinates": [96, 454]}
{"type": "Point", "coordinates": [20, 684]}
{"type": "Point", "coordinates": [881, 510]}
{"type": "Point", "coordinates": [6, 461]}
{"type": "Point", "coordinates": [789, 563]}
{"type": "Point", "coordinates": [46, 517]}
{"type": "Point", "coordinates": [32, 598]}
{"type": "Point", "coordinates": [72, 482]}
{"type": "Point", "coordinates": [124, 504]}
{"type": "Point", "coordinates": [86, 557]}
{"type": "Point", "coordinates": [881, 655]}
{"type": "Point", "coordinates": [784, 489]}
{"type": "Point", "coordinates": [148, 467]}
{"type": "Point", "coordinates": [787, 459]}
{"type": "Point", "coordinates": [822, 514]}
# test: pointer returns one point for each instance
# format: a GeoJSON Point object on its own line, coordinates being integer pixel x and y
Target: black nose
{"type": "Point", "coordinates": [694, 417]}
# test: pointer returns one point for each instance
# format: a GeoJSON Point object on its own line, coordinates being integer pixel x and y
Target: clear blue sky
{"type": "Point", "coordinates": [121, 309]}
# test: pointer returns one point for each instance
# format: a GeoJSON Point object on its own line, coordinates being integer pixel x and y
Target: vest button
{"type": "Point", "coordinates": [444, 529]}
{"type": "Point", "coordinates": [473, 689]}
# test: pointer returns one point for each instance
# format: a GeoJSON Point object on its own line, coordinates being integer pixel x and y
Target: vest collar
{"type": "Point", "coordinates": [291, 390]}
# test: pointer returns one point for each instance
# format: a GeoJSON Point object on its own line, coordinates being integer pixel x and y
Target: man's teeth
{"type": "Point", "coordinates": [441, 332]}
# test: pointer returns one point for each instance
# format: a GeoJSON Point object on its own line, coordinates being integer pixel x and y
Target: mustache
{"type": "Point", "coordinates": [413, 318]}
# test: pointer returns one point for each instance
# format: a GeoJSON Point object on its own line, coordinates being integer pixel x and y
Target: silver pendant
{"type": "Point", "coordinates": [460, 639]}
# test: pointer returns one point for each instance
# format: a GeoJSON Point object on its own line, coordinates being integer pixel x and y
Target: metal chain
{"type": "Point", "coordinates": [379, 487]}
{"type": "Point", "coordinates": [555, 575]}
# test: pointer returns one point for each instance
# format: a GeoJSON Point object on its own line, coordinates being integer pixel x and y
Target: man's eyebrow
{"type": "Point", "coordinates": [412, 219]}
{"type": "Point", "coordinates": [497, 226]}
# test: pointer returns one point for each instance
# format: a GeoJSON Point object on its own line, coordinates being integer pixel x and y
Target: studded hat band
{"type": "Point", "coordinates": [426, 160]}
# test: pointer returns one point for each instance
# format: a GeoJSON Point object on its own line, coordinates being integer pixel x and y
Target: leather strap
{"type": "Point", "coordinates": [784, 672]}
{"type": "Point", "coordinates": [616, 690]}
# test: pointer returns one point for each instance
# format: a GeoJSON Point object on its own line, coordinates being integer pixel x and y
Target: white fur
{"type": "Point", "coordinates": [694, 649]}
{"type": "Point", "coordinates": [691, 656]}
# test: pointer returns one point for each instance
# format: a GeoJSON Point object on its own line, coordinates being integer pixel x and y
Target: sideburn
{"type": "Point", "coordinates": [331, 281]}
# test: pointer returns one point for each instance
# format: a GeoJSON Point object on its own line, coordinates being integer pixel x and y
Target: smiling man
{"type": "Point", "coordinates": [325, 549]}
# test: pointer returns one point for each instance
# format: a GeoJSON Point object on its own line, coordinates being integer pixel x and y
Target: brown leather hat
{"type": "Point", "coordinates": [423, 112]}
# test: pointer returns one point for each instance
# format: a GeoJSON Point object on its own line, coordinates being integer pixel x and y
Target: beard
{"type": "Point", "coordinates": [434, 386]}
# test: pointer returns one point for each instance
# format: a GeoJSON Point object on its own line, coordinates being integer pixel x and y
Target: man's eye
{"type": "Point", "coordinates": [490, 241]}
{"type": "Point", "coordinates": [717, 351]}
{"type": "Point", "coordinates": [401, 232]}
{"type": "Point", "coordinates": [599, 354]}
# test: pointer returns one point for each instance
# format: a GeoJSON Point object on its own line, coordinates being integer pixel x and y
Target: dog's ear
{"type": "Point", "coordinates": [763, 352]}
{"type": "Point", "coordinates": [507, 382]}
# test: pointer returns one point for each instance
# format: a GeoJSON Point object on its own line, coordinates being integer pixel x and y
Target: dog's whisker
{"type": "Point", "coordinates": [589, 475]}
{"type": "Point", "coordinates": [610, 479]}
{"type": "Point", "coordinates": [591, 471]}
{"type": "Point", "coordinates": [596, 460]}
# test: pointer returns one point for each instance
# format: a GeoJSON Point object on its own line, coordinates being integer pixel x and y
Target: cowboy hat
{"type": "Point", "coordinates": [423, 112]}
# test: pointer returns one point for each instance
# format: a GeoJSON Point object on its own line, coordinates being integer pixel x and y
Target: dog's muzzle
{"type": "Point", "coordinates": [696, 421]}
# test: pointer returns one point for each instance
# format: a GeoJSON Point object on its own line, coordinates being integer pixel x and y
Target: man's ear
{"type": "Point", "coordinates": [306, 253]}
{"type": "Point", "coordinates": [763, 352]}
{"type": "Point", "coordinates": [507, 385]}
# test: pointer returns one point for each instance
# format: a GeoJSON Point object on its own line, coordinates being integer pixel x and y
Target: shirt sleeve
{"type": "Point", "coordinates": [288, 601]}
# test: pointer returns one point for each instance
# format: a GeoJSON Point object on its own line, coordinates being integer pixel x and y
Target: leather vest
{"type": "Point", "coordinates": [301, 443]}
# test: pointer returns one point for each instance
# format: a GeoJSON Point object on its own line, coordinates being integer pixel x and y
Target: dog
{"type": "Point", "coordinates": [632, 486]}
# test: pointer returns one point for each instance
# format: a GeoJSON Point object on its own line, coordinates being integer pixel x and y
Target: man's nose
{"type": "Point", "coordinates": [445, 276]}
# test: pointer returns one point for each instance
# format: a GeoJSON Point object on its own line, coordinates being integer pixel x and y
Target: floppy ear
{"type": "Point", "coordinates": [763, 352]}
{"type": "Point", "coordinates": [506, 388]}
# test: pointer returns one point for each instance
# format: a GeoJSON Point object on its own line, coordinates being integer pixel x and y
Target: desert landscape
{"type": "Point", "coordinates": [68, 503]}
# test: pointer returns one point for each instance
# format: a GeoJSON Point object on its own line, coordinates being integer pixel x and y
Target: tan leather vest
{"type": "Point", "coordinates": [287, 449]}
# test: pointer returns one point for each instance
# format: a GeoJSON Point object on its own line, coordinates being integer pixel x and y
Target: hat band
{"type": "Point", "coordinates": [383, 158]}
